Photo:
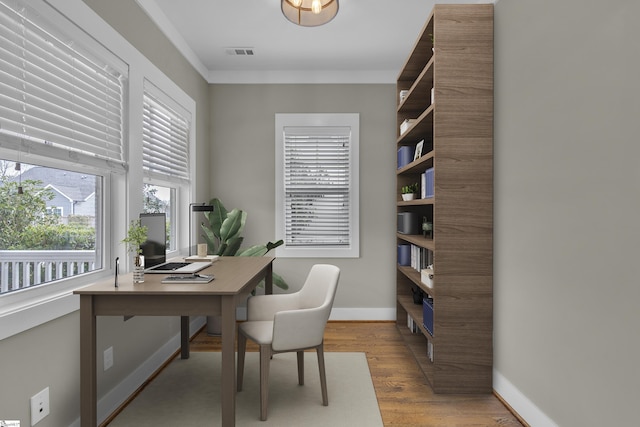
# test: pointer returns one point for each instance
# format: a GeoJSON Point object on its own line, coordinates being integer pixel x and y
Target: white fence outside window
{"type": "Point", "coordinates": [24, 269]}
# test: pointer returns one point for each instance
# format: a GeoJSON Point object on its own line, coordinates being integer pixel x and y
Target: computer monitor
{"type": "Point", "coordinates": [154, 249]}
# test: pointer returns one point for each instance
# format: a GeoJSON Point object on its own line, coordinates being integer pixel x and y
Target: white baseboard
{"type": "Point", "coordinates": [118, 395]}
{"type": "Point", "coordinates": [520, 403]}
{"type": "Point", "coordinates": [382, 313]}
{"type": "Point", "coordinates": [346, 313]}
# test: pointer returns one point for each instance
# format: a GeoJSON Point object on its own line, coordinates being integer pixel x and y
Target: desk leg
{"type": "Point", "coordinates": [228, 386]}
{"type": "Point", "coordinates": [88, 388]}
{"type": "Point", "coordinates": [184, 337]}
{"type": "Point", "coordinates": [268, 280]}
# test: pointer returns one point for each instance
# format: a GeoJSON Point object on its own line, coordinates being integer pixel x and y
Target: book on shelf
{"type": "Point", "coordinates": [427, 313]}
{"type": "Point", "coordinates": [426, 187]}
{"type": "Point", "coordinates": [420, 257]}
{"type": "Point", "coordinates": [412, 325]}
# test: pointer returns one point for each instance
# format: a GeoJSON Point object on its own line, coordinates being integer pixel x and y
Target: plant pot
{"type": "Point", "coordinates": [214, 326]}
{"type": "Point", "coordinates": [138, 269]}
{"type": "Point", "coordinates": [406, 197]}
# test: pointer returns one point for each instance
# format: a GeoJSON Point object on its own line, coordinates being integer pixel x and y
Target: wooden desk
{"type": "Point", "coordinates": [235, 278]}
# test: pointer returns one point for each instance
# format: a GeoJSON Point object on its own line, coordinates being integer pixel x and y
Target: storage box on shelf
{"type": "Point", "coordinates": [446, 85]}
{"type": "Point", "coordinates": [427, 314]}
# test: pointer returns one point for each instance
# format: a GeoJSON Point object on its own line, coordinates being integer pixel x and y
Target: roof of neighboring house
{"type": "Point", "coordinates": [76, 186]}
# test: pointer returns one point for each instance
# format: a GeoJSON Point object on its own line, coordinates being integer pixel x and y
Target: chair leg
{"type": "Point", "coordinates": [265, 358]}
{"type": "Point", "coordinates": [242, 347]}
{"type": "Point", "coordinates": [300, 367]}
{"type": "Point", "coordinates": [323, 375]}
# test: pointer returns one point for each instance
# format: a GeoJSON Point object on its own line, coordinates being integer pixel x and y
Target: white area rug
{"type": "Point", "coordinates": [187, 394]}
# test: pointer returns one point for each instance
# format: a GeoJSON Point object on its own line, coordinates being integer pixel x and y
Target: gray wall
{"type": "Point", "coordinates": [128, 19]}
{"type": "Point", "coordinates": [243, 176]}
{"type": "Point", "coordinates": [566, 207]}
{"type": "Point", "coordinates": [46, 356]}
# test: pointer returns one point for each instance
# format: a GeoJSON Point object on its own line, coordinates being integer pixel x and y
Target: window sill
{"type": "Point", "coordinates": [298, 252]}
{"type": "Point", "coordinates": [18, 314]}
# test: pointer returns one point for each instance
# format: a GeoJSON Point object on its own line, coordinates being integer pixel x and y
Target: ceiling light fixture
{"type": "Point", "coordinates": [310, 13]}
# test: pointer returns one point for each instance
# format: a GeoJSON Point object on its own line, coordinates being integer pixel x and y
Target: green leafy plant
{"type": "Point", "coordinates": [19, 212]}
{"type": "Point", "coordinates": [410, 189]}
{"type": "Point", "coordinates": [223, 234]}
{"type": "Point", "coordinates": [136, 236]}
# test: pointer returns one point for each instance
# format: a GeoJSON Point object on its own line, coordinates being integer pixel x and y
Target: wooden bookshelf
{"type": "Point", "coordinates": [457, 129]}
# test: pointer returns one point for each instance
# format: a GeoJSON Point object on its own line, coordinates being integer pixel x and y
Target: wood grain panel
{"type": "Point", "coordinates": [459, 125]}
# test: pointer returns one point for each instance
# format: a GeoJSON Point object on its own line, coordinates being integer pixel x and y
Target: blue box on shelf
{"type": "Point", "coordinates": [404, 255]}
{"type": "Point", "coordinates": [427, 314]}
{"type": "Point", "coordinates": [405, 156]}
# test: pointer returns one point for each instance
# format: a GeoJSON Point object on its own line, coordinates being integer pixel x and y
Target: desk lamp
{"type": "Point", "coordinates": [196, 207]}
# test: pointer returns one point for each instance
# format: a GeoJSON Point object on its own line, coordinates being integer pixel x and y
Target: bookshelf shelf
{"type": "Point", "coordinates": [453, 55]}
{"type": "Point", "coordinates": [414, 276]}
{"type": "Point", "coordinates": [419, 165]}
{"type": "Point", "coordinates": [417, 239]}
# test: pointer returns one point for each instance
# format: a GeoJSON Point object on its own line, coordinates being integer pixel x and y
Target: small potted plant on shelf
{"type": "Point", "coordinates": [409, 192]}
{"type": "Point", "coordinates": [136, 236]}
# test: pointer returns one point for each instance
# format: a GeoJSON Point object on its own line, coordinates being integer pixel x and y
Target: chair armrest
{"type": "Point", "coordinates": [265, 307]}
{"type": "Point", "coordinates": [299, 329]}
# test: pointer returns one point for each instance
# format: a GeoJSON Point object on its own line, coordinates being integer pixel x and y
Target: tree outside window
{"type": "Point", "coordinates": [40, 241]}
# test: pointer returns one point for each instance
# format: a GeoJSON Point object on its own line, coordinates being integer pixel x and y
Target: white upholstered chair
{"type": "Point", "coordinates": [289, 323]}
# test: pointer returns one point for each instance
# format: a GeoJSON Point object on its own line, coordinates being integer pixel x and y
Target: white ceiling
{"type": "Point", "coordinates": [367, 42]}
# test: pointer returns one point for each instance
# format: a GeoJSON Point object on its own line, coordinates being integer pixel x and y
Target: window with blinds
{"type": "Point", "coordinates": [166, 128]}
{"type": "Point", "coordinates": [57, 98]}
{"type": "Point", "coordinates": [317, 189]}
{"type": "Point", "coordinates": [165, 140]}
{"type": "Point", "coordinates": [61, 138]}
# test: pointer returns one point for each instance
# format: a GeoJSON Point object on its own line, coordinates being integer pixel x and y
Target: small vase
{"type": "Point", "coordinates": [427, 227]}
{"type": "Point", "coordinates": [408, 196]}
{"type": "Point", "coordinates": [138, 269]}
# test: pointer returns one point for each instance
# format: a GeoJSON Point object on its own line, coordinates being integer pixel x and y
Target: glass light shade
{"type": "Point", "coordinates": [316, 6]}
{"type": "Point", "coordinates": [310, 13]}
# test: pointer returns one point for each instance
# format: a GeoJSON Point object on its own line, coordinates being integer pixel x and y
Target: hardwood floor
{"type": "Point", "coordinates": [404, 397]}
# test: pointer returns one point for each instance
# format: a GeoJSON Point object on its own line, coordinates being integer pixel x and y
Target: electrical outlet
{"type": "Point", "coordinates": [108, 358]}
{"type": "Point", "coordinates": [39, 406]}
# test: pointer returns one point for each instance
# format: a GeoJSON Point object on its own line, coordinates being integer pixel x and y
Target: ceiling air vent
{"type": "Point", "coordinates": [239, 51]}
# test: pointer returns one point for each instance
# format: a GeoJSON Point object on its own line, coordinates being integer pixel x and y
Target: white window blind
{"type": "Point", "coordinates": [63, 100]}
{"type": "Point", "coordinates": [318, 190]}
{"type": "Point", "coordinates": [165, 140]}
{"type": "Point", "coordinates": [317, 186]}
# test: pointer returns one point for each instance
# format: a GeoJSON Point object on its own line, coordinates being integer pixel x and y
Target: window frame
{"type": "Point", "coordinates": [29, 307]}
{"type": "Point", "coordinates": [180, 185]}
{"type": "Point", "coordinates": [25, 309]}
{"type": "Point", "coordinates": [325, 120]}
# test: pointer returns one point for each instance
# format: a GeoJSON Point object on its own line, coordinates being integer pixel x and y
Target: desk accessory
{"type": "Point", "coordinates": [192, 278]}
{"type": "Point", "coordinates": [117, 271]}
